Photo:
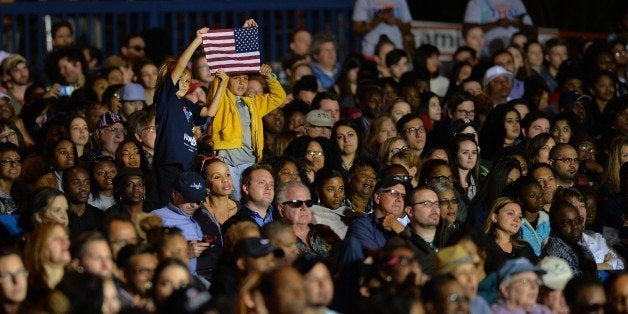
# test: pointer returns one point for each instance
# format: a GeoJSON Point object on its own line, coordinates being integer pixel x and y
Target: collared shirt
{"type": "Point", "coordinates": [259, 220]}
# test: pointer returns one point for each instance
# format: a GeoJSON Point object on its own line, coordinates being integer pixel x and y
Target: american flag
{"type": "Point", "coordinates": [236, 50]}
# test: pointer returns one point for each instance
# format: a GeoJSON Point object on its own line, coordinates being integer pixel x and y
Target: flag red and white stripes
{"type": "Point", "coordinates": [236, 51]}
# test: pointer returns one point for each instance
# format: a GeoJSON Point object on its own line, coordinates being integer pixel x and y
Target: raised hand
{"type": "Point", "coordinates": [266, 71]}
{"type": "Point", "coordinates": [250, 23]}
{"type": "Point", "coordinates": [222, 76]}
{"type": "Point", "coordinates": [200, 32]}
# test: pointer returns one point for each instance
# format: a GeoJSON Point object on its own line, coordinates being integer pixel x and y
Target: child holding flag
{"type": "Point", "coordinates": [175, 144]}
{"type": "Point", "coordinates": [238, 133]}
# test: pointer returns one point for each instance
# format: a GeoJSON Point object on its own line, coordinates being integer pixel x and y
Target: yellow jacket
{"type": "Point", "coordinates": [227, 126]}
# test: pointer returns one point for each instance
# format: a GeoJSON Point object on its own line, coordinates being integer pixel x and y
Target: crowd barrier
{"type": "Point", "coordinates": [25, 26]}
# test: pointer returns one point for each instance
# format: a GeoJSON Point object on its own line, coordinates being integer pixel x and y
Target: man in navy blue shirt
{"type": "Point", "coordinates": [258, 190]}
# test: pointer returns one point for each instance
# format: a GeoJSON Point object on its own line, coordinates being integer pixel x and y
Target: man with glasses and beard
{"type": "Point", "coordinates": [420, 234]}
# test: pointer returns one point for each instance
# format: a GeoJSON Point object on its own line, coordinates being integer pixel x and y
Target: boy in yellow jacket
{"type": "Point", "coordinates": [238, 134]}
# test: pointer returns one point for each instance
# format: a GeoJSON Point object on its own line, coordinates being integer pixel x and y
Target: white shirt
{"type": "Point", "coordinates": [365, 11]}
{"type": "Point", "coordinates": [596, 243]}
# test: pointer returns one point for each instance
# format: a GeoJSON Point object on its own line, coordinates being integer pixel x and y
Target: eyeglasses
{"type": "Point", "coordinates": [587, 149]}
{"type": "Point", "coordinates": [210, 159]}
{"type": "Point", "coordinates": [414, 130]}
{"type": "Point", "coordinates": [569, 160]}
{"type": "Point", "coordinates": [22, 273]}
{"type": "Point", "coordinates": [298, 203]}
{"type": "Point", "coordinates": [114, 129]}
{"type": "Point", "coordinates": [150, 128]}
{"type": "Point", "coordinates": [394, 193]}
{"type": "Point", "coordinates": [116, 96]}
{"type": "Point", "coordinates": [441, 179]}
{"type": "Point", "coordinates": [137, 48]}
{"type": "Point", "coordinates": [102, 158]}
{"type": "Point", "coordinates": [427, 203]}
{"type": "Point", "coordinates": [465, 113]}
{"type": "Point", "coordinates": [289, 173]}
{"type": "Point", "coordinates": [571, 222]}
{"type": "Point", "coordinates": [528, 281]}
{"type": "Point", "coordinates": [314, 152]}
{"type": "Point", "coordinates": [7, 136]}
{"type": "Point", "coordinates": [401, 260]}
{"type": "Point", "coordinates": [446, 202]}
{"type": "Point", "coordinates": [394, 151]}
{"type": "Point", "coordinates": [403, 178]}
{"type": "Point", "coordinates": [456, 298]}
{"type": "Point", "coordinates": [10, 163]}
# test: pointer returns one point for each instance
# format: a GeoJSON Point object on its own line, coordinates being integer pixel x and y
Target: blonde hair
{"type": "Point", "coordinates": [376, 126]}
{"type": "Point", "coordinates": [239, 231]}
{"type": "Point", "coordinates": [384, 150]}
{"type": "Point", "coordinates": [490, 227]}
{"type": "Point", "coordinates": [35, 258]}
{"type": "Point", "coordinates": [610, 176]}
{"type": "Point", "coordinates": [411, 158]}
{"type": "Point", "coordinates": [166, 70]}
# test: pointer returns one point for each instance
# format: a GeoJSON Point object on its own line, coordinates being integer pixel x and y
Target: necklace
{"type": "Point", "coordinates": [214, 211]}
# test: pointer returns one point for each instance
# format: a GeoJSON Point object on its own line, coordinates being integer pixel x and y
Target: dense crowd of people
{"type": "Point", "coordinates": [384, 182]}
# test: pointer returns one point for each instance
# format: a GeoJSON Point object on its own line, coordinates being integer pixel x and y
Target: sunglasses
{"type": "Point", "coordinates": [298, 203]}
{"type": "Point", "coordinates": [209, 159]}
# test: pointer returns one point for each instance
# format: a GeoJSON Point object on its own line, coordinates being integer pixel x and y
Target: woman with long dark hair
{"type": "Point", "coordinates": [320, 151]}
{"type": "Point", "coordinates": [538, 148]}
{"type": "Point", "coordinates": [430, 106]}
{"type": "Point", "coordinates": [504, 171]}
{"type": "Point", "coordinates": [345, 137]}
{"type": "Point", "coordinates": [501, 128]}
{"type": "Point", "coordinates": [426, 62]}
{"type": "Point", "coordinates": [464, 152]}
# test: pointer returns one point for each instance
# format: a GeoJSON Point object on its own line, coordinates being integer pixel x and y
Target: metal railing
{"type": "Point", "coordinates": [25, 26]}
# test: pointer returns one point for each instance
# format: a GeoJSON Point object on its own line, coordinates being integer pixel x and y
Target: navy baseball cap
{"type": "Point", "coordinates": [191, 185]}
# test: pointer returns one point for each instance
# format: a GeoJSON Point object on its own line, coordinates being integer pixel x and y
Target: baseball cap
{"type": "Point", "coordinates": [569, 97]}
{"type": "Point", "coordinates": [108, 118]}
{"type": "Point", "coordinates": [255, 247]}
{"type": "Point", "coordinates": [495, 72]}
{"type": "Point", "coordinates": [132, 92]}
{"type": "Point", "coordinates": [516, 266]}
{"type": "Point", "coordinates": [451, 257]}
{"type": "Point", "coordinates": [390, 181]}
{"type": "Point", "coordinates": [124, 173]}
{"type": "Point", "coordinates": [3, 95]}
{"type": "Point", "coordinates": [319, 118]}
{"type": "Point", "coordinates": [558, 272]}
{"type": "Point", "coordinates": [191, 185]}
{"type": "Point", "coordinates": [11, 61]}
